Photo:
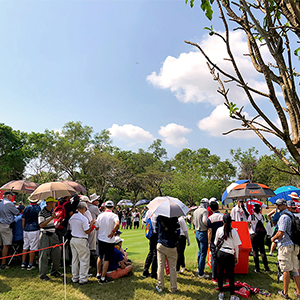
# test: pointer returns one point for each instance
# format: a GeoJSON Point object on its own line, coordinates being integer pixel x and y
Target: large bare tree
{"type": "Point", "coordinates": [275, 25]}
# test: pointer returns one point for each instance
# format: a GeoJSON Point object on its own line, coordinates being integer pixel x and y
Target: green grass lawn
{"type": "Point", "coordinates": [22, 284]}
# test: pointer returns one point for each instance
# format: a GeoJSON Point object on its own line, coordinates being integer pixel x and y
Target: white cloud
{"type": "Point", "coordinates": [131, 133]}
{"type": "Point", "coordinates": [174, 134]}
{"type": "Point", "coordinates": [219, 122]}
{"type": "Point", "coordinates": [189, 79]}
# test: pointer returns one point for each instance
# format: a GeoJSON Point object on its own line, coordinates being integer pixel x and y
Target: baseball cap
{"type": "Point", "coordinates": [118, 240]}
{"type": "Point", "coordinates": [7, 193]}
{"type": "Point", "coordinates": [280, 202]}
{"type": "Point", "coordinates": [109, 203]}
{"type": "Point", "coordinates": [50, 199]}
{"type": "Point", "coordinates": [290, 203]}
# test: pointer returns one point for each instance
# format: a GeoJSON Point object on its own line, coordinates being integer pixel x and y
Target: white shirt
{"type": "Point", "coordinates": [106, 223]}
{"type": "Point", "coordinates": [136, 216]}
{"type": "Point", "coordinates": [78, 225]}
{"type": "Point", "coordinates": [237, 214]}
{"type": "Point", "coordinates": [253, 220]}
{"type": "Point", "coordinates": [183, 227]}
{"type": "Point", "coordinates": [88, 215]}
{"type": "Point", "coordinates": [232, 243]}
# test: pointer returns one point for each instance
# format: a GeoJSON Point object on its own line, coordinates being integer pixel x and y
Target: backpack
{"type": "Point", "coordinates": [60, 212]}
{"type": "Point", "coordinates": [295, 237]}
{"type": "Point", "coordinates": [260, 229]}
{"type": "Point", "coordinates": [220, 243]}
{"type": "Point", "coordinates": [148, 229]}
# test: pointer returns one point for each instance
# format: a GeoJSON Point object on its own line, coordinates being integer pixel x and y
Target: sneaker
{"type": "Point", "coordinates": [204, 276]}
{"type": "Point", "coordinates": [57, 274]}
{"type": "Point", "coordinates": [158, 289]}
{"type": "Point", "coordinates": [74, 281]}
{"type": "Point", "coordinates": [270, 254]}
{"type": "Point", "coordinates": [30, 267]}
{"type": "Point", "coordinates": [98, 276]}
{"type": "Point", "coordinates": [281, 278]}
{"type": "Point", "coordinates": [4, 266]}
{"type": "Point", "coordinates": [23, 266]}
{"type": "Point", "coordinates": [221, 296]}
{"type": "Point", "coordinates": [283, 295]}
{"type": "Point", "coordinates": [174, 291]}
{"type": "Point", "coordinates": [182, 270]}
{"type": "Point", "coordinates": [298, 296]}
{"type": "Point", "coordinates": [45, 278]}
{"type": "Point", "coordinates": [214, 281]}
{"type": "Point", "coordinates": [256, 271]}
{"type": "Point", "coordinates": [146, 274]}
{"type": "Point", "coordinates": [268, 271]}
{"type": "Point", "coordinates": [106, 280]}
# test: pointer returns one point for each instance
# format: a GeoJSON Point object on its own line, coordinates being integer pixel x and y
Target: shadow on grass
{"type": "Point", "coordinates": [4, 288]}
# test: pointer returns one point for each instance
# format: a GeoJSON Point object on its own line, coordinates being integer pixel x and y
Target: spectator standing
{"type": "Point", "coordinates": [239, 212]}
{"type": "Point", "coordinates": [151, 260]}
{"type": "Point", "coordinates": [48, 238]}
{"type": "Point", "coordinates": [183, 239]}
{"type": "Point", "coordinates": [228, 255]}
{"type": "Point", "coordinates": [80, 228]}
{"type": "Point", "coordinates": [200, 222]}
{"type": "Point", "coordinates": [168, 230]}
{"type": "Point", "coordinates": [31, 232]}
{"type": "Point", "coordinates": [7, 213]}
{"type": "Point", "coordinates": [258, 238]}
{"type": "Point", "coordinates": [18, 228]}
{"type": "Point", "coordinates": [287, 250]}
{"type": "Point", "coordinates": [123, 219]}
{"type": "Point", "coordinates": [213, 223]}
{"type": "Point", "coordinates": [136, 219]}
{"type": "Point", "coordinates": [108, 223]}
{"type": "Point", "coordinates": [93, 206]}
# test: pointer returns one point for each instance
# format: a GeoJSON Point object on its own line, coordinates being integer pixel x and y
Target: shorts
{"type": "Point", "coordinates": [31, 240]}
{"type": "Point", "coordinates": [287, 257]}
{"type": "Point", "coordinates": [6, 235]}
{"type": "Point", "coordinates": [106, 250]}
{"type": "Point", "coordinates": [136, 224]}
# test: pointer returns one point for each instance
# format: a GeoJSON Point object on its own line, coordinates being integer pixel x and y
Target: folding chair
{"type": "Point", "coordinates": [15, 249]}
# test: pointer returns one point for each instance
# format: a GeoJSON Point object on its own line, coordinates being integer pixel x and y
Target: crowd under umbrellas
{"type": "Point", "coordinates": [165, 214]}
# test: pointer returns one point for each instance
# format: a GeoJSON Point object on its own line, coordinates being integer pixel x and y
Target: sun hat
{"type": "Point", "coordinates": [94, 197]}
{"type": "Point", "coordinates": [293, 195]}
{"type": "Point", "coordinates": [280, 202]}
{"type": "Point", "coordinates": [50, 199]}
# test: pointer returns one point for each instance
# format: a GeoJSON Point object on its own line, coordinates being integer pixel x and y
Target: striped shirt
{"type": "Point", "coordinates": [44, 215]}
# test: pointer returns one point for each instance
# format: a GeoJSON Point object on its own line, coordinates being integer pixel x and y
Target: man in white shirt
{"type": "Point", "coordinates": [80, 228]}
{"type": "Point", "coordinates": [108, 223]}
{"type": "Point", "coordinates": [239, 212]}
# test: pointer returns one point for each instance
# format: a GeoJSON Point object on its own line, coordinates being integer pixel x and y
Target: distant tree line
{"type": "Point", "coordinates": [77, 153]}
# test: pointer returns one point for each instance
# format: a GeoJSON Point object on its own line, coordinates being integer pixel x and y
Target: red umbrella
{"type": "Point", "coordinates": [250, 190]}
{"type": "Point", "coordinates": [76, 186]}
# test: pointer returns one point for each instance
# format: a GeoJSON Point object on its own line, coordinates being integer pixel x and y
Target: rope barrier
{"type": "Point", "coordinates": [58, 245]}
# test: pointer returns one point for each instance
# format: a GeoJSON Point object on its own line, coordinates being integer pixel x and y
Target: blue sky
{"type": "Point", "coordinates": [118, 65]}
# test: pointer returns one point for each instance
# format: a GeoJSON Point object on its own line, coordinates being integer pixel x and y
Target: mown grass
{"type": "Point", "coordinates": [22, 284]}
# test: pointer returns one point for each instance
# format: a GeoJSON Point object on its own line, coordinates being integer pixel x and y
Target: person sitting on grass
{"type": "Point", "coordinates": [118, 266]}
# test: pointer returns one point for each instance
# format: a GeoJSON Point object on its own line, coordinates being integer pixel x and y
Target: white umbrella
{"type": "Point", "coordinates": [168, 207]}
{"type": "Point", "coordinates": [55, 189]}
{"type": "Point", "coordinates": [125, 202]}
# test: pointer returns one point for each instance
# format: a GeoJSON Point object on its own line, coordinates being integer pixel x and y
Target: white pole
{"type": "Point", "coordinates": [64, 263]}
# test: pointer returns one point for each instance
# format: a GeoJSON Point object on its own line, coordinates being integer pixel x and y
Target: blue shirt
{"type": "Point", "coordinates": [18, 229]}
{"type": "Point", "coordinates": [170, 237]}
{"type": "Point", "coordinates": [31, 215]}
{"type": "Point", "coordinates": [114, 263]}
{"type": "Point", "coordinates": [285, 225]}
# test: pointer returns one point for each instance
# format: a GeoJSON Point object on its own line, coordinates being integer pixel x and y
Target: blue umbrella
{"type": "Point", "coordinates": [284, 192]}
{"type": "Point", "coordinates": [229, 188]}
{"type": "Point", "coordinates": [142, 202]}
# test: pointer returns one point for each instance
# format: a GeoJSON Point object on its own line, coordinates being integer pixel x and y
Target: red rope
{"type": "Point", "coordinates": [32, 251]}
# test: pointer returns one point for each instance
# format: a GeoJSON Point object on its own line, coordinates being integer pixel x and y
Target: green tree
{"type": "Point", "coordinates": [271, 29]}
{"type": "Point", "coordinates": [14, 154]}
{"type": "Point", "coordinates": [246, 161]}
